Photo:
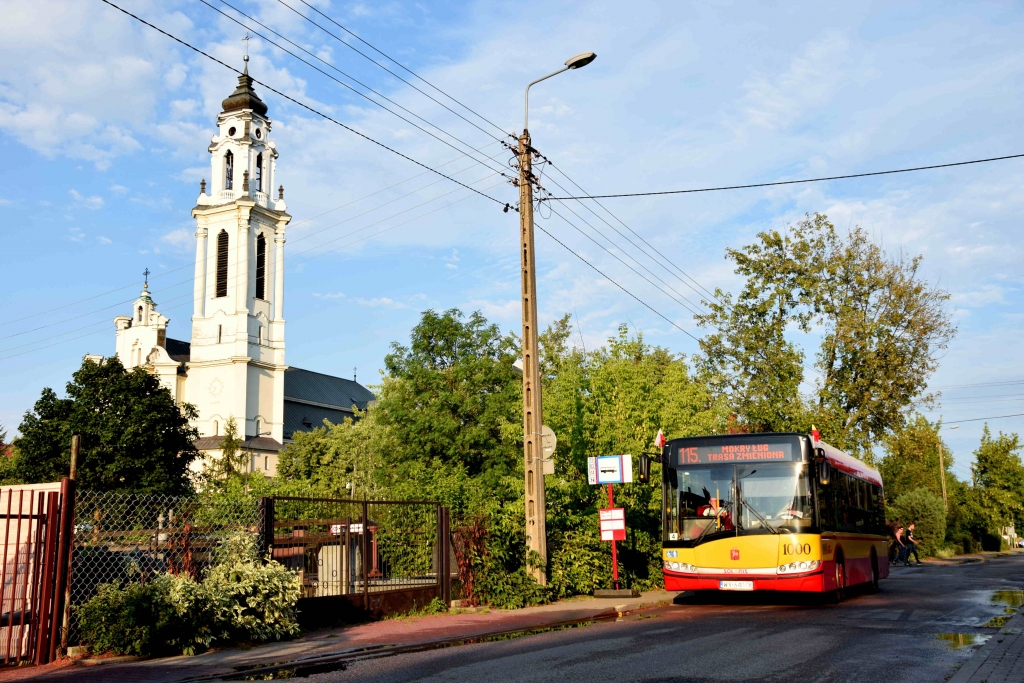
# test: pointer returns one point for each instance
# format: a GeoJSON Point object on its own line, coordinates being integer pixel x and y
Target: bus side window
{"type": "Point", "coordinates": [827, 505]}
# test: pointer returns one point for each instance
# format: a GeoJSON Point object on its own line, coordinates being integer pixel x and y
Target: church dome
{"type": "Point", "coordinates": [244, 97]}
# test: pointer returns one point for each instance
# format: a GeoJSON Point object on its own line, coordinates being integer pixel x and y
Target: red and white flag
{"type": "Point", "coordinates": [659, 440]}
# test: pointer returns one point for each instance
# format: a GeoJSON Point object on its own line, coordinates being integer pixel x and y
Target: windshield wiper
{"type": "Point", "coordinates": [718, 514]}
{"type": "Point", "coordinates": [760, 517]}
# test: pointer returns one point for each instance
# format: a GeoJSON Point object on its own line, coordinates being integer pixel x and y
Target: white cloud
{"type": "Point", "coordinates": [94, 202]}
{"type": "Point", "coordinates": [104, 240]}
{"type": "Point", "coordinates": [182, 239]}
{"type": "Point", "coordinates": [329, 295]}
{"type": "Point", "coordinates": [5, 202]}
{"type": "Point", "coordinates": [118, 189]}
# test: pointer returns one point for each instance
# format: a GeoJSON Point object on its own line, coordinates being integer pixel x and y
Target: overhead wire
{"type": "Point", "coordinates": [314, 256]}
{"type": "Point", "coordinates": [303, 105]}
{"type": "Point", "coordinates": [189, 265]}
{"type": "Point", "coordinates": [294, 241]}
{"type": "Point", "coordinates": [606, 277]}
{"type": "Point", "coordinates": [373, 61]}
{"type": "Point", "coordinates": [793, 182]}
{"type": "Point", "coordinates": [340, 82]}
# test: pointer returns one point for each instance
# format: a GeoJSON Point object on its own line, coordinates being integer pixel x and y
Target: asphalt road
{"type": "Point", "coordinates": [890, 636]}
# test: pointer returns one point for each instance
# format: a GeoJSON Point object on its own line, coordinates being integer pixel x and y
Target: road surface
{"type": "Point", "coordinates": [921, 626]}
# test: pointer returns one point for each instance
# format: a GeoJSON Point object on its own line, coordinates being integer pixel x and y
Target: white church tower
{"type": "Point", "coordinates": [236, 366]}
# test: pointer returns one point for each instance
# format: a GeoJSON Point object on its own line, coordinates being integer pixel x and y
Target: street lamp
{"type": "Point", "coordinates": [536, 528]}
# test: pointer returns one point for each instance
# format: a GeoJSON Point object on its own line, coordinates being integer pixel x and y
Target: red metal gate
{"type": "Point", "coordinates": [36, 524]}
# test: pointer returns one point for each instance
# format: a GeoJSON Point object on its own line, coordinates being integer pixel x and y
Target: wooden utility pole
{"type": "Point", "coordinates": [942, 475]}
{"type": "Point", "coordinates": [536, 531]}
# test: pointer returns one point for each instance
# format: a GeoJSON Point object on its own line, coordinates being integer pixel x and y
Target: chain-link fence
{"type": "Point", "coordinates": [129, 538]}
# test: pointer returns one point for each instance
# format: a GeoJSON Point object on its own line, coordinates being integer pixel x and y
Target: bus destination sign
{"type": "Point", "coordinates": [735, 453]}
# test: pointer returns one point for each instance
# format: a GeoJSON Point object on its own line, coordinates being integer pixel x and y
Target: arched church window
{"type": "Point", "coordinates": [266, 463]}
{"type": "Point", "coordinates": [216, 428]}
{"type": "Point", "coordinates": [259, 172]}
{"type": "Point", "coordinates": [222, 263]}
{"type": "Point", "coordinates": [259, 426]}
{"type": "Point", "coordinates": [140, 314]}
{"type": "Point", "coordinates": [229, 170]}
{"type": "Point", "coordinates": [261, 267]}
{"type": "Point", "coordinates": [220, 331]}
{"type": "Point", "coordinates": [259, 335]}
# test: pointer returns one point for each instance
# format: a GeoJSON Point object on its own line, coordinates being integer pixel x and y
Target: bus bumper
{"type": "Point", "coordinates": [812, 582]}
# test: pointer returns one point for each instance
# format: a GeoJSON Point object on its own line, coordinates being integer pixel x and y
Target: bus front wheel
{"type": "Point", "coordinates": [840, 592]}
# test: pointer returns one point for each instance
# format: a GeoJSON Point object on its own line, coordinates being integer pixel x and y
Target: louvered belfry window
{"type": "Point", "coordinates": [261, 267]}
{"type": "Point", "coordinates": [229, 170]}
{"type": "Point", "coordinates": [259, 173]}
{"type": "Point", "coordinates": [222, 263]}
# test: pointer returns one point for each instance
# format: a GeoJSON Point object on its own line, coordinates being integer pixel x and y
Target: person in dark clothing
{"type": "Point", "coordinates": [911, 546]}
{"type": "Point", "coordinates": [894, 546]}
{"type": "Point", "coordinates": [901, 557]}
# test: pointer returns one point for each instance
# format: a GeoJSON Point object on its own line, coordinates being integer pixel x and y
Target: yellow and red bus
{"type": "Point", "coordinates": [783, 512]}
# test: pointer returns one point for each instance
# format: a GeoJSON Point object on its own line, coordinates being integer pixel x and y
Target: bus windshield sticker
{"type": "Point", "coordinates": [735, 452]}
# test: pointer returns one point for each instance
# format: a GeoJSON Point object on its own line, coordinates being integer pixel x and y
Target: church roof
{"type": "Point", "coordinates": [244, 97]}
{"type": "Point", "coordinates": [180, 351]}
{"type": "Point", "coordinates": [315, 387]}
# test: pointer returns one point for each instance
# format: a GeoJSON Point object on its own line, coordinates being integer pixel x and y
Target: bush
{"type": "Point", "coordinates": [927, 511]}
{"type": "Point", "coordinates": [136, 620]}
{"type": "Point", "coordinates": [993, 542]}
{"type": "Point", "coordinates": [252, 600]}
{"type": "Point", "coordinates": [241, 598]}
{"type": "Point", "coordinates": [964, 543]}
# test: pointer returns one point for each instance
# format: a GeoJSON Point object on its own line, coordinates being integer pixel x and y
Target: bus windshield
{"type": "Point", "coordinates": [711, 501]}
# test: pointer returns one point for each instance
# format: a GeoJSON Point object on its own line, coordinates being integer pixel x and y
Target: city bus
{"type": "Point", "coordinates": [782, 512]}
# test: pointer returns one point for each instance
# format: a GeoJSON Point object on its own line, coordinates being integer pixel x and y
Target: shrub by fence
{"type": "Point", "coordinates": [126, 539]}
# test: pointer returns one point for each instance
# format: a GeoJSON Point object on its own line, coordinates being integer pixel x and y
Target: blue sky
{"type": "Point", "coordinates": [104, 126]}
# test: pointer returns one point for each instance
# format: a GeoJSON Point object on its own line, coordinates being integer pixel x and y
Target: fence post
{"type": "Point", "coordinates": [265, 520]}
{"type": "Point", "coordinates": [446, 555]}
{"type": "Point", "coordinates": [365, 551]}
{"type": "Point", "coordinates": [65, 544]}
{"type": "Point", "coordinates": [44, 608]}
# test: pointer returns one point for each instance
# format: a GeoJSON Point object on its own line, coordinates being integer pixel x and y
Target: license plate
{"type": "Point", "coordinates": [736, 585]}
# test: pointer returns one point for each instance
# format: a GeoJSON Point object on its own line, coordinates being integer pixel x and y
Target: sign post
{"type": "Point", "coordinates": [608, 470]}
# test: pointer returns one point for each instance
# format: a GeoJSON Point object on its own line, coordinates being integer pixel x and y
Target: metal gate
{"type": "Point", "coordinates": [381, 557]}
{"type": "Point", "coordinates": [37, 525]}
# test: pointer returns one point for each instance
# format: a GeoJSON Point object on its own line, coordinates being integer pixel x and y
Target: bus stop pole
{"type": "Point", "coordinates": [615, 555]}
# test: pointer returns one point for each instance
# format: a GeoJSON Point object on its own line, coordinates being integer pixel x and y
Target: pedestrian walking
{"type": "Point", "coordinates": [901, 556]}
{"type": "Point", "coordinates": [911, 545]}
{"type": "Point", "coordinates": [894, 547]}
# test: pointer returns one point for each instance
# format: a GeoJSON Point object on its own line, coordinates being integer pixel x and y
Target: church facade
{"type": "Point", "coordinates": [234, 366]}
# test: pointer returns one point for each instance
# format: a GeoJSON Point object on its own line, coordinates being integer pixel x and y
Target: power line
{"type": "Point", "coordinates": [978, 419]}
{"type": "Point", "coordinates": [788, 182]}
{"type": "Point", "coordinates": [304, 105]}
{"type": "Point", "coordinates": [189, 265]}
{"type": "Point", "coordinates": [294, 241]}
{"type": "Point", "coordinates": [373, 61]}
{"type": "Point", "coordinates": [342, 83]}
{"type": "Point", "coordinates": [599, 272]}
{"type": "Point", "coordinates": [665, 259]}
{"type": "Point", "coordinates": [981, 384]}
{"type": "Point", "coordinates": [186, 303]}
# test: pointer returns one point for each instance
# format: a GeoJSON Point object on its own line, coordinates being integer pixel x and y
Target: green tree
{"type": "Point", "coordinates": [233, 460]}
{"type": "Point", "coordinates": [999, 480]}
{"type": "Point", "coordinates": [923, 508]}
{"type": "Point", "coordinates": [881, 325]}
{"type": "Point", "coordinates": [339, 458]}
{"type": "Point", "coordinates": [448, 394]}
{"type": "Point", "coordinates": [911, 458]}
{"type": "Point", "coordinates": [134, 437]}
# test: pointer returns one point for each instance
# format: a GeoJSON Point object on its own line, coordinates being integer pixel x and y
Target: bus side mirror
{"type": "Point", "coordinates": [824, 472]}
{"type": "Point", "coordinates": [644, 475]}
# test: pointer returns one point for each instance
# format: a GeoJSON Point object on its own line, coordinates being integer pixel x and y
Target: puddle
{"type": "Point", "coordinates": [959, 640]}
{"type": "Point", "coordinates": [279, 671]}
{"type": "Point", "coordinates": [996, 622]}
{"type": "Point", "coordinates": [1014, 599]}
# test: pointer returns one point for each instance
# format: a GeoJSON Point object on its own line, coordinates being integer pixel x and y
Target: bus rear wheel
{"type": "Point", "coordinates": [874, 572]}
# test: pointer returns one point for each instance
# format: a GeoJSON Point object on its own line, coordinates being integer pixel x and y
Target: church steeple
{"type": "Point", "coordinates": [238, 318]}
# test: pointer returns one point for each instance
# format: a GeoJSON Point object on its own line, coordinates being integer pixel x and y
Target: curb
{"type": "Point", "coordinates": [1011, 635]}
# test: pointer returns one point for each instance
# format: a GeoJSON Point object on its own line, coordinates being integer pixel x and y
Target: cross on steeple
{"type": "Point", "coordinates": [145, 274]}
{"type": "Point", "coordinates": [246, 39]}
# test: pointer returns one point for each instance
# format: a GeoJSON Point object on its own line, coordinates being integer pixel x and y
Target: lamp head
{"type": "Point", "coordinates": [580, 60]}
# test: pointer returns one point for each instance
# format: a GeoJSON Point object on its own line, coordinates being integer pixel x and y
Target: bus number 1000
{"type": "Point", "coordinates": [796, 549]}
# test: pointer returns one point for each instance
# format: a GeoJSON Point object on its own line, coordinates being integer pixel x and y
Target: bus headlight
{"type": "Point", "coordinates": [805, 566]}
{"type": "Point", "coordinates": [680, 567]}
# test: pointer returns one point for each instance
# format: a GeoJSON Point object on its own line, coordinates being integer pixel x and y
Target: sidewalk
{"type": "Point", "coordinates": [354, 641]}
{"type": "Point", "coordinates": [1000, 660]}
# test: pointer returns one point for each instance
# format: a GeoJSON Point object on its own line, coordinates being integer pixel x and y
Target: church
{"type": "Point", "coordinates": [234, 364]}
